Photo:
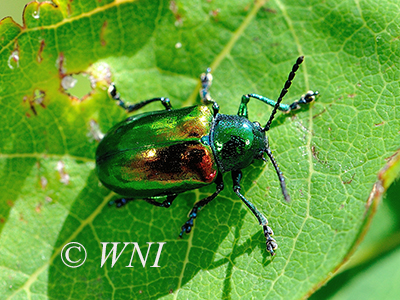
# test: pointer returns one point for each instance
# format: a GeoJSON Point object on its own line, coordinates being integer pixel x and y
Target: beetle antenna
{"type": "Point", "coordinates": [288, 83]}
{"type": "Point", "coordinates": [279, 173]}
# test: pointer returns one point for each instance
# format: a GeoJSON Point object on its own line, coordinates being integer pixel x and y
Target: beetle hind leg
{"type": "Point", "coordinates": [187, 227]}
{"type": "Point", "coordinates": [166, 203]}
{"type": "Point", "coordinates": [120, 202]}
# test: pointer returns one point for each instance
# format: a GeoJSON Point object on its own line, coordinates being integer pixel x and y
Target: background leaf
{"type": "Point", "coordinates": [330, 152]}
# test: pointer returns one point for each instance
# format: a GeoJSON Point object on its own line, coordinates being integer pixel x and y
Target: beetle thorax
{"type": "Point", "coordinates": [236, 142]}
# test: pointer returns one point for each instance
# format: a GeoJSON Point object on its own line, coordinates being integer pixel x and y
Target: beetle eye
{"type": "Point", "coordinates": [257, 124]}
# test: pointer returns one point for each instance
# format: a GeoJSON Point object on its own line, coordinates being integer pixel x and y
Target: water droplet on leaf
{"type": "Point", "coordinates": [36, 14]}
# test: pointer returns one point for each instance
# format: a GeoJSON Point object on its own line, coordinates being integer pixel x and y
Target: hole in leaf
{"type": "Point", "coordinates": [37, 98]}
{"type": "Point", "coordinates": [77, 85]}
{"type": "Point", "coordinates": [94, 131]}
{"type": "Point", "coordinates": [13, 60]}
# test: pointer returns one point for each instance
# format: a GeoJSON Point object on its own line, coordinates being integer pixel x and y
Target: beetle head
{"type": "Point", "coordinates": [236, 142]}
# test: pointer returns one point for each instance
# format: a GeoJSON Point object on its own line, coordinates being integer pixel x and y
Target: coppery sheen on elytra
{"type": "Point", "coordinates": [185, 161]}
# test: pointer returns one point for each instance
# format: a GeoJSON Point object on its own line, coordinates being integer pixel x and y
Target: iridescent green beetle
{"type": "Point", "coordinates": [160, 154]}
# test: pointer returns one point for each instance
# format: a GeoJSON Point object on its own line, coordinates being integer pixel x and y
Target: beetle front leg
{"type": "Point", "coordinates": [286, 108]}
{"type": "Point", "coordinates": [112, 90]}
{"type": "Point", "coordinates": [187, 227]}
{"type": "Point", "coordinates": [271, 243]}
{"type": "Point", "coordinates": [304, 99]}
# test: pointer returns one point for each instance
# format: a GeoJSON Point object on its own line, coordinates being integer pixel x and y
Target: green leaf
{"type": "Point", "coordinates": [377, 254]}
{"type": "Point", "coordinates": [330, 152]}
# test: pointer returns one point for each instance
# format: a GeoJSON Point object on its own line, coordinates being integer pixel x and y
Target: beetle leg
{"type": "Point", "coordinates": [243, 112]}
{"type": "Point", "coordinates": [120, 202]}
{"type": "Point", "coordinates": [166, 203]}
{"type": "Point", "coordinates": [206, 81]}
{"type": "Point", "coordinates": [304, 99]}
{"type": "Point", "coordinates": [271, 243]}
{"type": "Point", "coordinates": [112, 90]}
{"type": "Point", "coordinates": [187, 227]}
{"type": "Point", "coordinates": [276, 104]}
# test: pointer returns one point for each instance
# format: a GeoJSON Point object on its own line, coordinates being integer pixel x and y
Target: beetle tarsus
{"type": "Point", "coordinates": [120, 202]}
{"type": "Point", "coordinates": [206, 81]}
{"type": "Point", "coordinates": [271, 243]}
{"type": "Point", "coordinates": [307, 98]}
{"type": "Point", "coordinates": [112, 91]}
{"type": "Point", "coordinates": [187, 227]}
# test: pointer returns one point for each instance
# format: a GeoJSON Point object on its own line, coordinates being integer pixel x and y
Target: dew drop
{"type": "Point", "coordinates": [36, 14]}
